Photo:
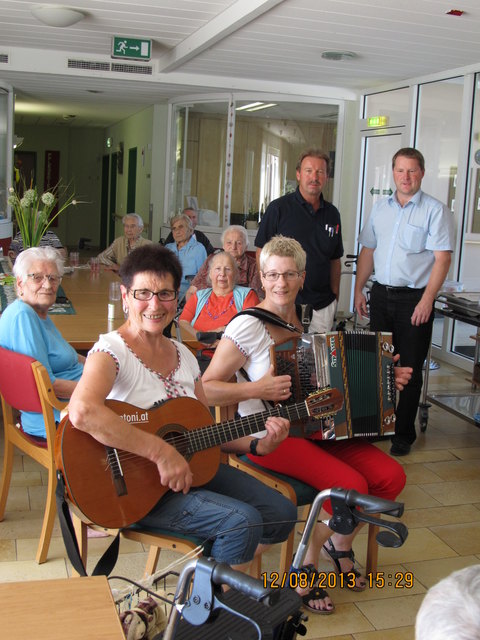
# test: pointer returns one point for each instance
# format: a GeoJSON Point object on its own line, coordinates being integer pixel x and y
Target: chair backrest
{"type": "Point", "coordinates": [17, 382]}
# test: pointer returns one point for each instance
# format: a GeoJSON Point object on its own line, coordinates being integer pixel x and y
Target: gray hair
{"type": "Point", "coordinates": [237, 228]}
{"type": "Point", "coordinates": [185, 218]}
{"type": "Point", "coordinates": [283, 247]}
{"type": "Point", "coordinates": [25, 259]}
{"type": "Point", "coordinates": [138, 219]}
{"type": "Point", "coordinates": [231, 259]}
{"type": "Point", "coordinates": [451, 608]}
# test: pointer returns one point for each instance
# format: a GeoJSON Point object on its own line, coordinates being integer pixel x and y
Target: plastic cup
{"type": "Point", "coordinates": [114, 293]}
{"type": "Point", "coordinates": [94, 265]}
{"type": "Point", "coordinates": [74, 258]}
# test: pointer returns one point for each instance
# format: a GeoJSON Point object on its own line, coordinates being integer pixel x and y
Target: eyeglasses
{"type": "Point", "coordinates": [166, 295]}
{"type": "Point", "coordinates": [273, 276]}
{"type": "Point", "coordinates": [38, 278]}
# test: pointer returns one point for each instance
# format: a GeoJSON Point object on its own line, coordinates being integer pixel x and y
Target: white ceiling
{"type": "Point", "coordinates": [202, 46]}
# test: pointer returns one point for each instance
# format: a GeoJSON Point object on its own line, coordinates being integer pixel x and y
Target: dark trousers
{"type": "Point", "coordinates": [391, 309]}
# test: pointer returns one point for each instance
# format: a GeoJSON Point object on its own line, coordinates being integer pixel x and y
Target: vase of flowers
{"type": "Point", "coordinates": [33, 211]}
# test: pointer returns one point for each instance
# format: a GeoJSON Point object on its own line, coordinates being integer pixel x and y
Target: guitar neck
{"type": "Point", "coordinates": [223, 432]}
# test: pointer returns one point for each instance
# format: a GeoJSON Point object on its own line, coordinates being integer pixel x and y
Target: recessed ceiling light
{"type": "Point", "coordinates": [339, 55]}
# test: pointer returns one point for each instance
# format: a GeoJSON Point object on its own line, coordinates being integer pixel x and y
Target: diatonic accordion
{"type": "Point", "coordinates": [357, 363]}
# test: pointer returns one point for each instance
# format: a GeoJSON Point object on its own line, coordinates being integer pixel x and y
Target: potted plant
{"type": "Point", "coordinates": [251, 221]}
{"type": "Point", "coordinates": [32, 212]}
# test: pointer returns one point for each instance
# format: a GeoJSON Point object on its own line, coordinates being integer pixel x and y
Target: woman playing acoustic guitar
{"type": "Point", "coordinates": [138, 365]}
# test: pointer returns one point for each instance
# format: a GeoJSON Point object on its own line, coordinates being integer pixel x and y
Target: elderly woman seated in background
{"type": "Point", "coordinates": [211, 309]}
{"type": "Point", "coordinates": [115, 254]}
{"type": "Point", "coordinates": [188, 250]}
{"type": "Point", "coordinates": [26, 328]}
{"type": "Point", "coordinates": [234, 242]}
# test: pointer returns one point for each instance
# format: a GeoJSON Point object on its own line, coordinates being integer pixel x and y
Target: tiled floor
{"type": "Point", "coordinates": [442, 500]}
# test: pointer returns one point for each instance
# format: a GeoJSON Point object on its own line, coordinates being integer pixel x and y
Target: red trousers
{"type": "Point", "coordinates": [350, 464]}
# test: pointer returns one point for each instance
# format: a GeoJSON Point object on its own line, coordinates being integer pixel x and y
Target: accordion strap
{"type": "Point", "coordinates": [268, 316]}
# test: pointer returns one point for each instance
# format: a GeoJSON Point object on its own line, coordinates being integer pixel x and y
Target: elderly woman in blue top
{"type": "Point", "coordinates": [186, 247]}
{"type": "Point", "coordinates": [26, 328]}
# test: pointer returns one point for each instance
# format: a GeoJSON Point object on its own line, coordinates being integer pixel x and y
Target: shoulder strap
{"type": "Point", "coordinates": [268, 316]}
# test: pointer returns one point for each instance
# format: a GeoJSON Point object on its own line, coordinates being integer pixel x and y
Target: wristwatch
{"type": "Point", "coordinates": [253, 447]}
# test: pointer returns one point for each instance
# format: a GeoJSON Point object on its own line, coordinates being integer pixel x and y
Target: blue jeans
{"type": "Point", "coordinates": [234, 510]}
{"type": "Point", "coordinates": [391, 310]}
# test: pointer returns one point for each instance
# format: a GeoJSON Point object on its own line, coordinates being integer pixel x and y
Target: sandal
{"type": "Point", "coordinates": [335, 556]}
{"type": "Point", "coordinates": [316, 593]}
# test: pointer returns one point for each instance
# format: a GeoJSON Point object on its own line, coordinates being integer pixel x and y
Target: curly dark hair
{"type": "Point", "coordinates": [153, 258]}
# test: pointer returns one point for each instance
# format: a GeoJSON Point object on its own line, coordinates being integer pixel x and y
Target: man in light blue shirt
{"type": "Point", "coordinates": [407, 242]}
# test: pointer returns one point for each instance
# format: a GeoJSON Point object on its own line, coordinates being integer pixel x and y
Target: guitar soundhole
{"type": "Point", "coordinates": [178, 439]}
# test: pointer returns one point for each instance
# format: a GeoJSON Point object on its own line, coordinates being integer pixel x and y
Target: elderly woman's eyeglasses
{"type": "Point", "coordinates": [38, 278]}
{"type": "Point", "coordinates": [273, 276]}
{"type": "Point", "coordinates": [166, 295]}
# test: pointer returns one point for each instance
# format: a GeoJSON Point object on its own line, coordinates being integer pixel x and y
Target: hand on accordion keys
{"type": "Point", "coordinates": [272, 387]}
{"type": "Point", "coordinates": [402, 374]}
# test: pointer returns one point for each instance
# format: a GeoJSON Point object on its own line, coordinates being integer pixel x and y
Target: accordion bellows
{"type": "Point", "coordinates": [357, 363]}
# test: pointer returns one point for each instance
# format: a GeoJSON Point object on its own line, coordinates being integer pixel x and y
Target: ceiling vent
{"type": "Point", "coordinates": [89, 65]}
{"type": "Point", "coordinates": [4, 58]}
{"type": "Point", "coordinates": [131, 68]}
{"type": "Point", "coordinates": [92, 65]}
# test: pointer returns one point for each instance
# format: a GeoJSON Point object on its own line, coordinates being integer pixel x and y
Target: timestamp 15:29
{"type": "Point", "coordinates": [397, 580]}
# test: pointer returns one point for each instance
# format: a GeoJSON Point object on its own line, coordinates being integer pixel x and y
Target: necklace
{"type": "Point", "coordinates": [221, 313]}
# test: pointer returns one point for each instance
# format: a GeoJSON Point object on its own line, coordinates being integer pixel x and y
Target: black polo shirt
{"type": "Point", "coordinates": [319, 233]}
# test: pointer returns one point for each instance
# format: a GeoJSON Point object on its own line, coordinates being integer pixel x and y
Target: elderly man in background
{"type": "Point", "coordinates": [199, 235]}
{"type": "Point", "coordinates": [115, 254]}
{"type": "Point", "coordinates": [234, 242]}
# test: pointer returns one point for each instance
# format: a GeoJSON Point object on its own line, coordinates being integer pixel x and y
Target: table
{"type": "Point", "coordinates": [464, 405]}
{"type": "Point", "coordinates": [88, 293]}
{"type": "Point", "coordinates": [73, 608]}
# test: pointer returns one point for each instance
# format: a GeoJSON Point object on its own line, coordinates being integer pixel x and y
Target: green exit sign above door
{"type": "Point", "coordinates": [131, 48]}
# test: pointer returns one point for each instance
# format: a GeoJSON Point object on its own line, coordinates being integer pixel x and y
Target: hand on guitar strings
{"type": "Point", "coordinates": [173, 469]}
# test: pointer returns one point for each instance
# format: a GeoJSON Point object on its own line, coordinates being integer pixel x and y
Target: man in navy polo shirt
{"type": "Point", "coordinates": [315, 223]}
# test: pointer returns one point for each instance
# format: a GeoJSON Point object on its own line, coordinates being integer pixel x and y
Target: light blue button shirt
{"type": "Point", "coordinates": [404, 239]}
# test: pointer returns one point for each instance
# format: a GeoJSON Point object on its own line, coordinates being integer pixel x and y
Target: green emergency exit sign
{"type": "Point", "coordinates": [131, 48]}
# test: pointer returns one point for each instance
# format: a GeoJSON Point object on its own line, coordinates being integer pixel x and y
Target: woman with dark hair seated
{"type": "Point", "coordinates": [139, 365]}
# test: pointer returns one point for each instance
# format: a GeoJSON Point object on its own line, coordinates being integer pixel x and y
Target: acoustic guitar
{"type": "Point", "coordinates": [114, 488]}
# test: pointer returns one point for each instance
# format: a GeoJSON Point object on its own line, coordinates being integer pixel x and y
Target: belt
{"type": "Point", "coordinates": [387, 287]}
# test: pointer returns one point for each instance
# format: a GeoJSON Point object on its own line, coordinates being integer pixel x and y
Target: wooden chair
{"type": "Point", "coordinates": [156, 539]}
{"type": "Point", "coordinates": [25, 386]}
{"type": "Point", "coordinates": [301, 495]}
